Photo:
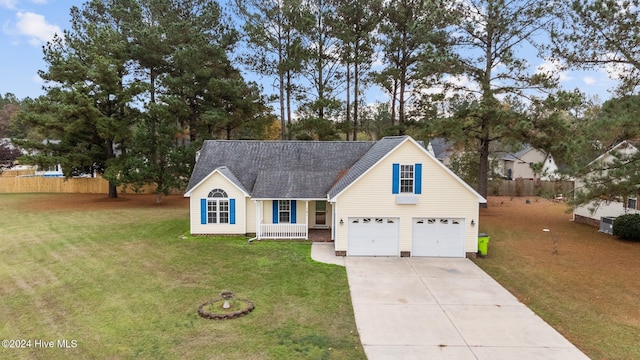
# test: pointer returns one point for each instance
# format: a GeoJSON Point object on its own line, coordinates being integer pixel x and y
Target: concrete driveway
{"type": "Point", "coordinates": [441, 308]}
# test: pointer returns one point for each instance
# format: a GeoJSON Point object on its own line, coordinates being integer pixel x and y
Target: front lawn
{"type": "Point", "coordinates": [121, 279]}
{"type": "Point", "coordinates": [589, 291]}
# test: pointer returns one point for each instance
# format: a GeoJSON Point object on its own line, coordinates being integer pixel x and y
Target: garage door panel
{"type": "Point", "coordinates": [438, 237]}
{"type": "Point", "coordinates": [372, 236]}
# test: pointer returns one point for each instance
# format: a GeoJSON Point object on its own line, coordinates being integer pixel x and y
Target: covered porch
{"type": "Point", "coordinates": [306, 219]}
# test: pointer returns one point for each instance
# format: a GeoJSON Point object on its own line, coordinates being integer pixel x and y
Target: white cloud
{"type": "Point", "coordinates": [9, 4]}
{"type": "Point", "coordinates": [615, 70]}
{"type": "Point", "coordinates": [589, 80]}
{"type": "Point", "coordinates": [36, 27]}
{"type": "Point", "coordinates": [554, 67]}
{"type": "Point", "coordinates": [452, 85]}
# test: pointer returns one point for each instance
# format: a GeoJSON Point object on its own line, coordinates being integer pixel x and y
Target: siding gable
{"type": "Point", "coordinates": [415, 153]}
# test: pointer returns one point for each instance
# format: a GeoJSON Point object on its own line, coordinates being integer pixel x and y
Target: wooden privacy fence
{"type": "Point", "coordinates": [39, 184]}
{"type": "Point", "coordinates": [530, 187]}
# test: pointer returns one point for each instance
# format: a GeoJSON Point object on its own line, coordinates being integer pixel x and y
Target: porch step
{"type": "Point", "coordinates": [320, 235]}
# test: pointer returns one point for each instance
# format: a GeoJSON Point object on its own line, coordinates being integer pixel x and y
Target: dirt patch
{"type": "Point", "coordinates": [62, 202]}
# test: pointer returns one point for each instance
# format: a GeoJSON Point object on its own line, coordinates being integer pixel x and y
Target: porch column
{"type": "Point", "coordinates": [258, 217]}
{"type": "Point", "coordinates": [306, 216]}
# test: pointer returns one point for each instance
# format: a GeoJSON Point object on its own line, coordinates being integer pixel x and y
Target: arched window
{"type": "Point", "coordinates": [217, 207]}
{"type": "Point", "coordinates": [217, 193]}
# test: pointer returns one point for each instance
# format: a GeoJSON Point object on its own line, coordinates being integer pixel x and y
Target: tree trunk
{"type": "Point", "coordinates": [113, 191]}
{"type": "Point", "coordinates": [289, 90]}
{"type": "Point", "coordinates": [283, 124]}
{"type": "Point", "coordinates": [355, 95]}
{"type": "Point", "coordinates": [348, 115]}
{"type": "Point", "coordinates": [394, 98]}
{"type": "Point", "coordinates": [483, 170]}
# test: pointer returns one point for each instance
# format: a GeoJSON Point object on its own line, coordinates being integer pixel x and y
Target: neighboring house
{"type": "Point", "coordinates": [50, 171]}
{"type": "Point", "coordinates": [442, 150]}
{"type": "Point", "coordinates": [518, 165]}
{"type": "Point", "coordinates": [384, 198]}
{"type": "Point", "coordinates": [593, 214]}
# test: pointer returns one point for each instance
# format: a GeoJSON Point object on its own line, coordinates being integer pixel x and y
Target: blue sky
{"type": "Point", "coordinates": [28, 24]}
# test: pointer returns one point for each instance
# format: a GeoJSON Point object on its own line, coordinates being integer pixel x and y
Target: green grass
{"type": "Point", "coordinates": [126, 283]}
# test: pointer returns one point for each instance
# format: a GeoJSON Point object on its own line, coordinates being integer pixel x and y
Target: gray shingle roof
{"type": "Point", "coordinates": [232, 177]}
{"type": "Point", "coordinates": [517, 155]}
{"type": "Point", "coordinates": [289, 169]}
{"type": "Point", "coordinates": [377, 152]}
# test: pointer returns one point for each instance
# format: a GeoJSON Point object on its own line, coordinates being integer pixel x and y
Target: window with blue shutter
{"type": "Point", "coordinates": [217, 208]}
{"type": "Point", "coordinates": [407, 179]}
{"type": "Point", "coordinates": [395, 184]}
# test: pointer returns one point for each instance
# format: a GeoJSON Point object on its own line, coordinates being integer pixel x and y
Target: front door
{"type": "Point", "coordinates": [321, 213]}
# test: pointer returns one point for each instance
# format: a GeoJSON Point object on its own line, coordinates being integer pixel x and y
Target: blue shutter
{"type": "Point", "coordinates": [274, 208]}
{"type": "Point", "coordinates": [395, 185]}
{"type": "Point", "coordinates": [232, 211]}
{"type": "Point", "coordinates": [203, 211]}
{"type": "Point", "coordinates": [417, 179]}
{"type": "Point", "coordinates": [293, 211]}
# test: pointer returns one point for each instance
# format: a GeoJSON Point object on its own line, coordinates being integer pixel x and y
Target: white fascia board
{"type": "Point", "coordinates": [188, 193]}
{"type": "Point", "coordinates": [612, 150]}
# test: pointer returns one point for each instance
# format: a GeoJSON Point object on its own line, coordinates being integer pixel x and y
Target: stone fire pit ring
{"type": "Point", "coordinates": [226, 315]}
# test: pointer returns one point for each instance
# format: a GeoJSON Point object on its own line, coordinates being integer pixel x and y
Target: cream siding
{"type": "Point", "coordinates": [606, 209]}
{"type": "Point", "coordinates": [216, 180]}
{"type": "Point", "coordinates": [521, 168]}
{"type": "Point", "coordinates": [442, 196]}
{"type": "Point", "coordinates": [612, 208]}
{"type": "Point", "coordinates": [251, 216]}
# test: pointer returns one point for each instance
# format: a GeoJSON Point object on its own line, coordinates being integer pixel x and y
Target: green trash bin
{"type": "Point", "coordinates": [483, 243]}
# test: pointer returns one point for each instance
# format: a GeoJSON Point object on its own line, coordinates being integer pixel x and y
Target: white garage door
{"type": "Point", "coordinates": [443, 237]}
{"type": "Point", "coordinates": [370, 236]}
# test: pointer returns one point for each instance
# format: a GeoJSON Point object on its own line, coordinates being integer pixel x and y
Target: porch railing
{"type": "Point", "coordinates": [283, 231]}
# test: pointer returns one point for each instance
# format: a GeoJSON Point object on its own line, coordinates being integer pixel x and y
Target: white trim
{"type": "Point", "coordinates": [217, 170]}
{"type": "Point", "coordinates": [284, 231]}
{"type": "Point", "coordinates": [258, 204]}
{"type": "Point", "coordinates": [481, 199]}
{"type": "Point", "coordinates": [306, 212]}
{"type": "Point", "coordinates": [334, 228]}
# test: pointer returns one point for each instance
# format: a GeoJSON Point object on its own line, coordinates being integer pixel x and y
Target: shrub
{"type": "Point", "coordinates": [627, 227]}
